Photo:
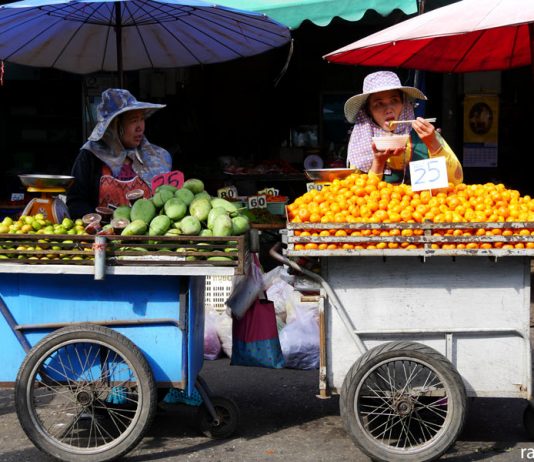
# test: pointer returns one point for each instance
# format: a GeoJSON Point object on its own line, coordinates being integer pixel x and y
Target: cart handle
{"type": "Point", "coordinates": [334, 300]}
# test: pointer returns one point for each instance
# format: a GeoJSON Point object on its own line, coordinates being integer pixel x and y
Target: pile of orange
{"type": "Point", "coordinates": [360, 198]}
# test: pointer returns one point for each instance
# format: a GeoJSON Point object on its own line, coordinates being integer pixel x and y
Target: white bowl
{"type": "Point", "coordinates": [390, 141]}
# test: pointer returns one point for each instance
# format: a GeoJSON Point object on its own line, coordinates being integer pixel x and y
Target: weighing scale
{"type": "Point", "coordinates": [49, 186]}
{"type": "Point", "coordinates": [325, 176]}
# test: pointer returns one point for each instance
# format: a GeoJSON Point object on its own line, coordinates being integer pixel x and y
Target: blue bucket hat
{"type": "Point", "coordinates": [115, 101]}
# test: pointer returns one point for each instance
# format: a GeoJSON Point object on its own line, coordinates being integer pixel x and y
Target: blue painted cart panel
{"type": "Point", "coordinates": [45, 298]}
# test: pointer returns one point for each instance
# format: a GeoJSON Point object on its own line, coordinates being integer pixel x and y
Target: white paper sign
{"type": "Point", "coordinates": [429, 174]}
{"type": "Point", "coordinates": [227, 192]}
{"type": "Point", "coordinates": [257, 202]}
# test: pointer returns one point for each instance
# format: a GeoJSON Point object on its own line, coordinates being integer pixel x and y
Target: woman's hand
{"type": "Point", "coordinates": [427, 132]}
{"type": "Point", "coordinates": [381, 157]}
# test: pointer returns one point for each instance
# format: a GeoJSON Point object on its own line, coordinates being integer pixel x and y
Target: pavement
{"type": "Point", "coordinates": [282, 420]}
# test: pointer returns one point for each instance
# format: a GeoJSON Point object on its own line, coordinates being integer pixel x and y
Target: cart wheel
{"type": "Point", "coordinates": [228, 414]}
{"type": "Point", "coordinates": [403, 401]}
{"type": "Point", "coordinates": [528, 420]}
{"type": "Point", "coordinates": [85, 393]}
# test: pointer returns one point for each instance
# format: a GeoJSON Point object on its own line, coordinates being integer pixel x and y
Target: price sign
{"type": "Point", "coordinates": [174, 178]}
{"type": "Point", "coordinates": [257, 202]}
{"type": "Point", "coordinates": [228, 192]}
{"type": "Point", "coordinates": [429, 174]}
{"type": "Point", "coordinates": [310, 186]}
{"type": "Point", "coordinates": [269, 192]}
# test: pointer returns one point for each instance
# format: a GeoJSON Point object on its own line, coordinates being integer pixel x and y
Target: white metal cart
{"type": "Point", "coordinates": [407, 335]}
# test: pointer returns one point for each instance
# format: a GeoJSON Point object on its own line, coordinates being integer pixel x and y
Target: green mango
{"type": "Point", "coordinates": [135, 228]}
{"type": "Point", "coordinates": [143, 209]}
{"type": "Point", "coordinates": [175, 208]}
{"type": "Point", "coordinates": [159, 225]}
{"type": "Point", "coordinates": [161, 197]}
{"type": "Point", "coordinates": [122, 211]}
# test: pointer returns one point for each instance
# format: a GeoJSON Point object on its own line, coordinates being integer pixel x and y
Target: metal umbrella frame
{"type": "Point", "coordinates": [85, 36]}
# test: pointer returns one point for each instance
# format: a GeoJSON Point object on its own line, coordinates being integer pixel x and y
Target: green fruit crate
{"type": "Point", "coordinates": [66, 249]}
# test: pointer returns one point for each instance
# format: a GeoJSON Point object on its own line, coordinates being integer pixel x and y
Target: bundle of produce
{"type": "Point", "coordinates": [34, 239]}
{"type": "Point", "coordinates": [188, 211]}
{"type": "Point", "coordinates": [473, 216]}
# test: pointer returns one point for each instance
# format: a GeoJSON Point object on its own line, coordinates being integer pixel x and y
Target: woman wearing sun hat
{"type": "Point", "coordinates": [117, 157]}
{"type": "Point", "coordinates": [384, 99]}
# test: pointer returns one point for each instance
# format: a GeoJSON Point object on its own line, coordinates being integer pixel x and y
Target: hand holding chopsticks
{"type": "Point", "coordinates": [391, 123]}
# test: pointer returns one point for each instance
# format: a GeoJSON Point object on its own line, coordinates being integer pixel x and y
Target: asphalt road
{"type": "Point", "coordinates": [282, 420]}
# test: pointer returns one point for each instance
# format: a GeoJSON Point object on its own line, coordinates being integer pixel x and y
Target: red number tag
{"type": "Point", "coordinates": [174, 178]}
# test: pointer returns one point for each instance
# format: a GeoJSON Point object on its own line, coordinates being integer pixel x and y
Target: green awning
{"type": "Point", "coordinates": [321, 12]}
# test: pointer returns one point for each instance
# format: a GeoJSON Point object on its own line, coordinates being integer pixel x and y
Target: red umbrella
{"type": "Point", "coordinates": [470, 35]}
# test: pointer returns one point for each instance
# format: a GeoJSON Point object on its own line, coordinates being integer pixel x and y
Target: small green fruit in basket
{"type": "Point", "coordinates": [185, 195]}
{"type": "Point", "coordinates": [190, 225]}
{"type": "Point", "coordinates": [194, 185]}
{"type": "Point", "coordinates": [175, 208]}
{"type": "Point", "coordinates": [240, 225]}
{"type": "Point", "coordinates": [222, 225]}
{"type": "Point", "coordinates": [214, 213]}
{"type": "Point", "coordinates": [135, 228]}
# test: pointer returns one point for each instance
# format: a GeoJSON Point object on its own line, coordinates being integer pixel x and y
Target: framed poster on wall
{"type": "Point", "coordinates": [481, 130]}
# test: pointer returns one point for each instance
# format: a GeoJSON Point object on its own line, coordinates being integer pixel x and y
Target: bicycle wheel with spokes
{"type": "Point", "coordinates": [85, 393]}
{"type": "Point", "coordinates": [403, 401]}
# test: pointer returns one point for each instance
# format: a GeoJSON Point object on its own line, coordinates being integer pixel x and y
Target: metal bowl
{"type": "Point", "coordinates": [47, 181]}
{"type": "Point", "coordinates": [328, 174]}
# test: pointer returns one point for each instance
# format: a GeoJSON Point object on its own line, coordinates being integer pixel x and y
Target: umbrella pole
{"type": "Point", "coordinates": [118, 39]}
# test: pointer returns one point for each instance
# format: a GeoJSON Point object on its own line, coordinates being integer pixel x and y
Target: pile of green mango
{"type": "Point", "coordinates": [188, 211]}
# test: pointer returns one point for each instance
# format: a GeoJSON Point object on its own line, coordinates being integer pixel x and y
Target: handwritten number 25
{"type": "Point", "coordinates": [428, 175]}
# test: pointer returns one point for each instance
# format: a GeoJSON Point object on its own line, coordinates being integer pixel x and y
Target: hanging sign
{"type": "Point", "coordinates": [429, 174]}
{"type": "Point", "coordinates": [174, 178]}
{"type": "Point", "coordinates": [257, 202]}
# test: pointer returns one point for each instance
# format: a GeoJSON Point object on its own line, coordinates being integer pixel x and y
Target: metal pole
{"type": "Point", "coordinates": [118, 39]}
{"type": "Point", "coordinates": [417, 74]}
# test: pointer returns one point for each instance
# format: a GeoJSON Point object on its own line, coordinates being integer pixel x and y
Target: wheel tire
{"type": "Point", "coordinates": [85, 393]}
{"type": "Point", "coordinates": [528, 420]}
{"type": "Point", "coordinates": [228, 414]}
{"type": "Point", "coordinates": [403, 401]}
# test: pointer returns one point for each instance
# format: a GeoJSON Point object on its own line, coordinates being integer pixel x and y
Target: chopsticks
{"type": "Point", "coordinates": [395, 122]}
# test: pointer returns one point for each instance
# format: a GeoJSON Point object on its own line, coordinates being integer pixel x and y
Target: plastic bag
{"type": "Point", "coordinates": [247, 290]}
{"type": "Point", "coordinates": [300, 341]}
{"type": "Point", "coordinates": [255, 338]}
{"type": "Point", "coordinates": [212, 344]}
{"type": "Point", "coordinates": [224, 331]}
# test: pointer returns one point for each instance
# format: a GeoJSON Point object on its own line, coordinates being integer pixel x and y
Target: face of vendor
{"type": "Point", "coordinates": [132, 128]}
{"type": "Point", "coordinates": [385, 106]}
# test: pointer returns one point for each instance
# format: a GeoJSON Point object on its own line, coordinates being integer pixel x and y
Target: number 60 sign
{"type": "Point", "coordinates": [429, 174]}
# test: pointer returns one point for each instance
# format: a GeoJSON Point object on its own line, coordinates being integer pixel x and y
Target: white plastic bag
{"type": "Point", "coordinates": [212, 344]}
{"type": "Point", "coordinates": [300, 341]}
{"type": "Point", "coordinates": [247, 289]}
{"type": "Point", "coordinates": [224, 331]}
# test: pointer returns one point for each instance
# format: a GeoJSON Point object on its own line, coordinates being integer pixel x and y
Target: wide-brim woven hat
{"type": "Point", "coordinates": [116, 101]}
{"type": "Point", "coordinates": [374, 83]}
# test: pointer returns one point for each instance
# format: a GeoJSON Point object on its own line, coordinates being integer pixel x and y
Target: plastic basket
{"type": "Point", "coordinates": [277, 208]}
{"type": "Point", "coordinates": [217, 291]}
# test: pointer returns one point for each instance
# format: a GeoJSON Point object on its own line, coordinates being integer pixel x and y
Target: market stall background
{"type": "Point", "coordinates": [248, 109]}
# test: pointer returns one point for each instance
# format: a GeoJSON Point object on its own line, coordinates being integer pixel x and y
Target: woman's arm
{"type": "Point", "coordinates": [82, 197]}
{"type": "Point", "coordinates": [438, 147]}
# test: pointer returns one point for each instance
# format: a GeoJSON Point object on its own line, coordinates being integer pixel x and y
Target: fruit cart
{"type": "Point", "coordinates": [93, 326]}
{"type": "Point", "coordinates": [410, 330]}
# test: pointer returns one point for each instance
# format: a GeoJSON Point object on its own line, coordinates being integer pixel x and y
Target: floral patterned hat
{"type": "Point", "coordinates": [115, 101]}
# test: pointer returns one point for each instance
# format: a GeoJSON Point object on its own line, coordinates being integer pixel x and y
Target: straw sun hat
{"type": "Point", "coordinates": [373, 83]}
